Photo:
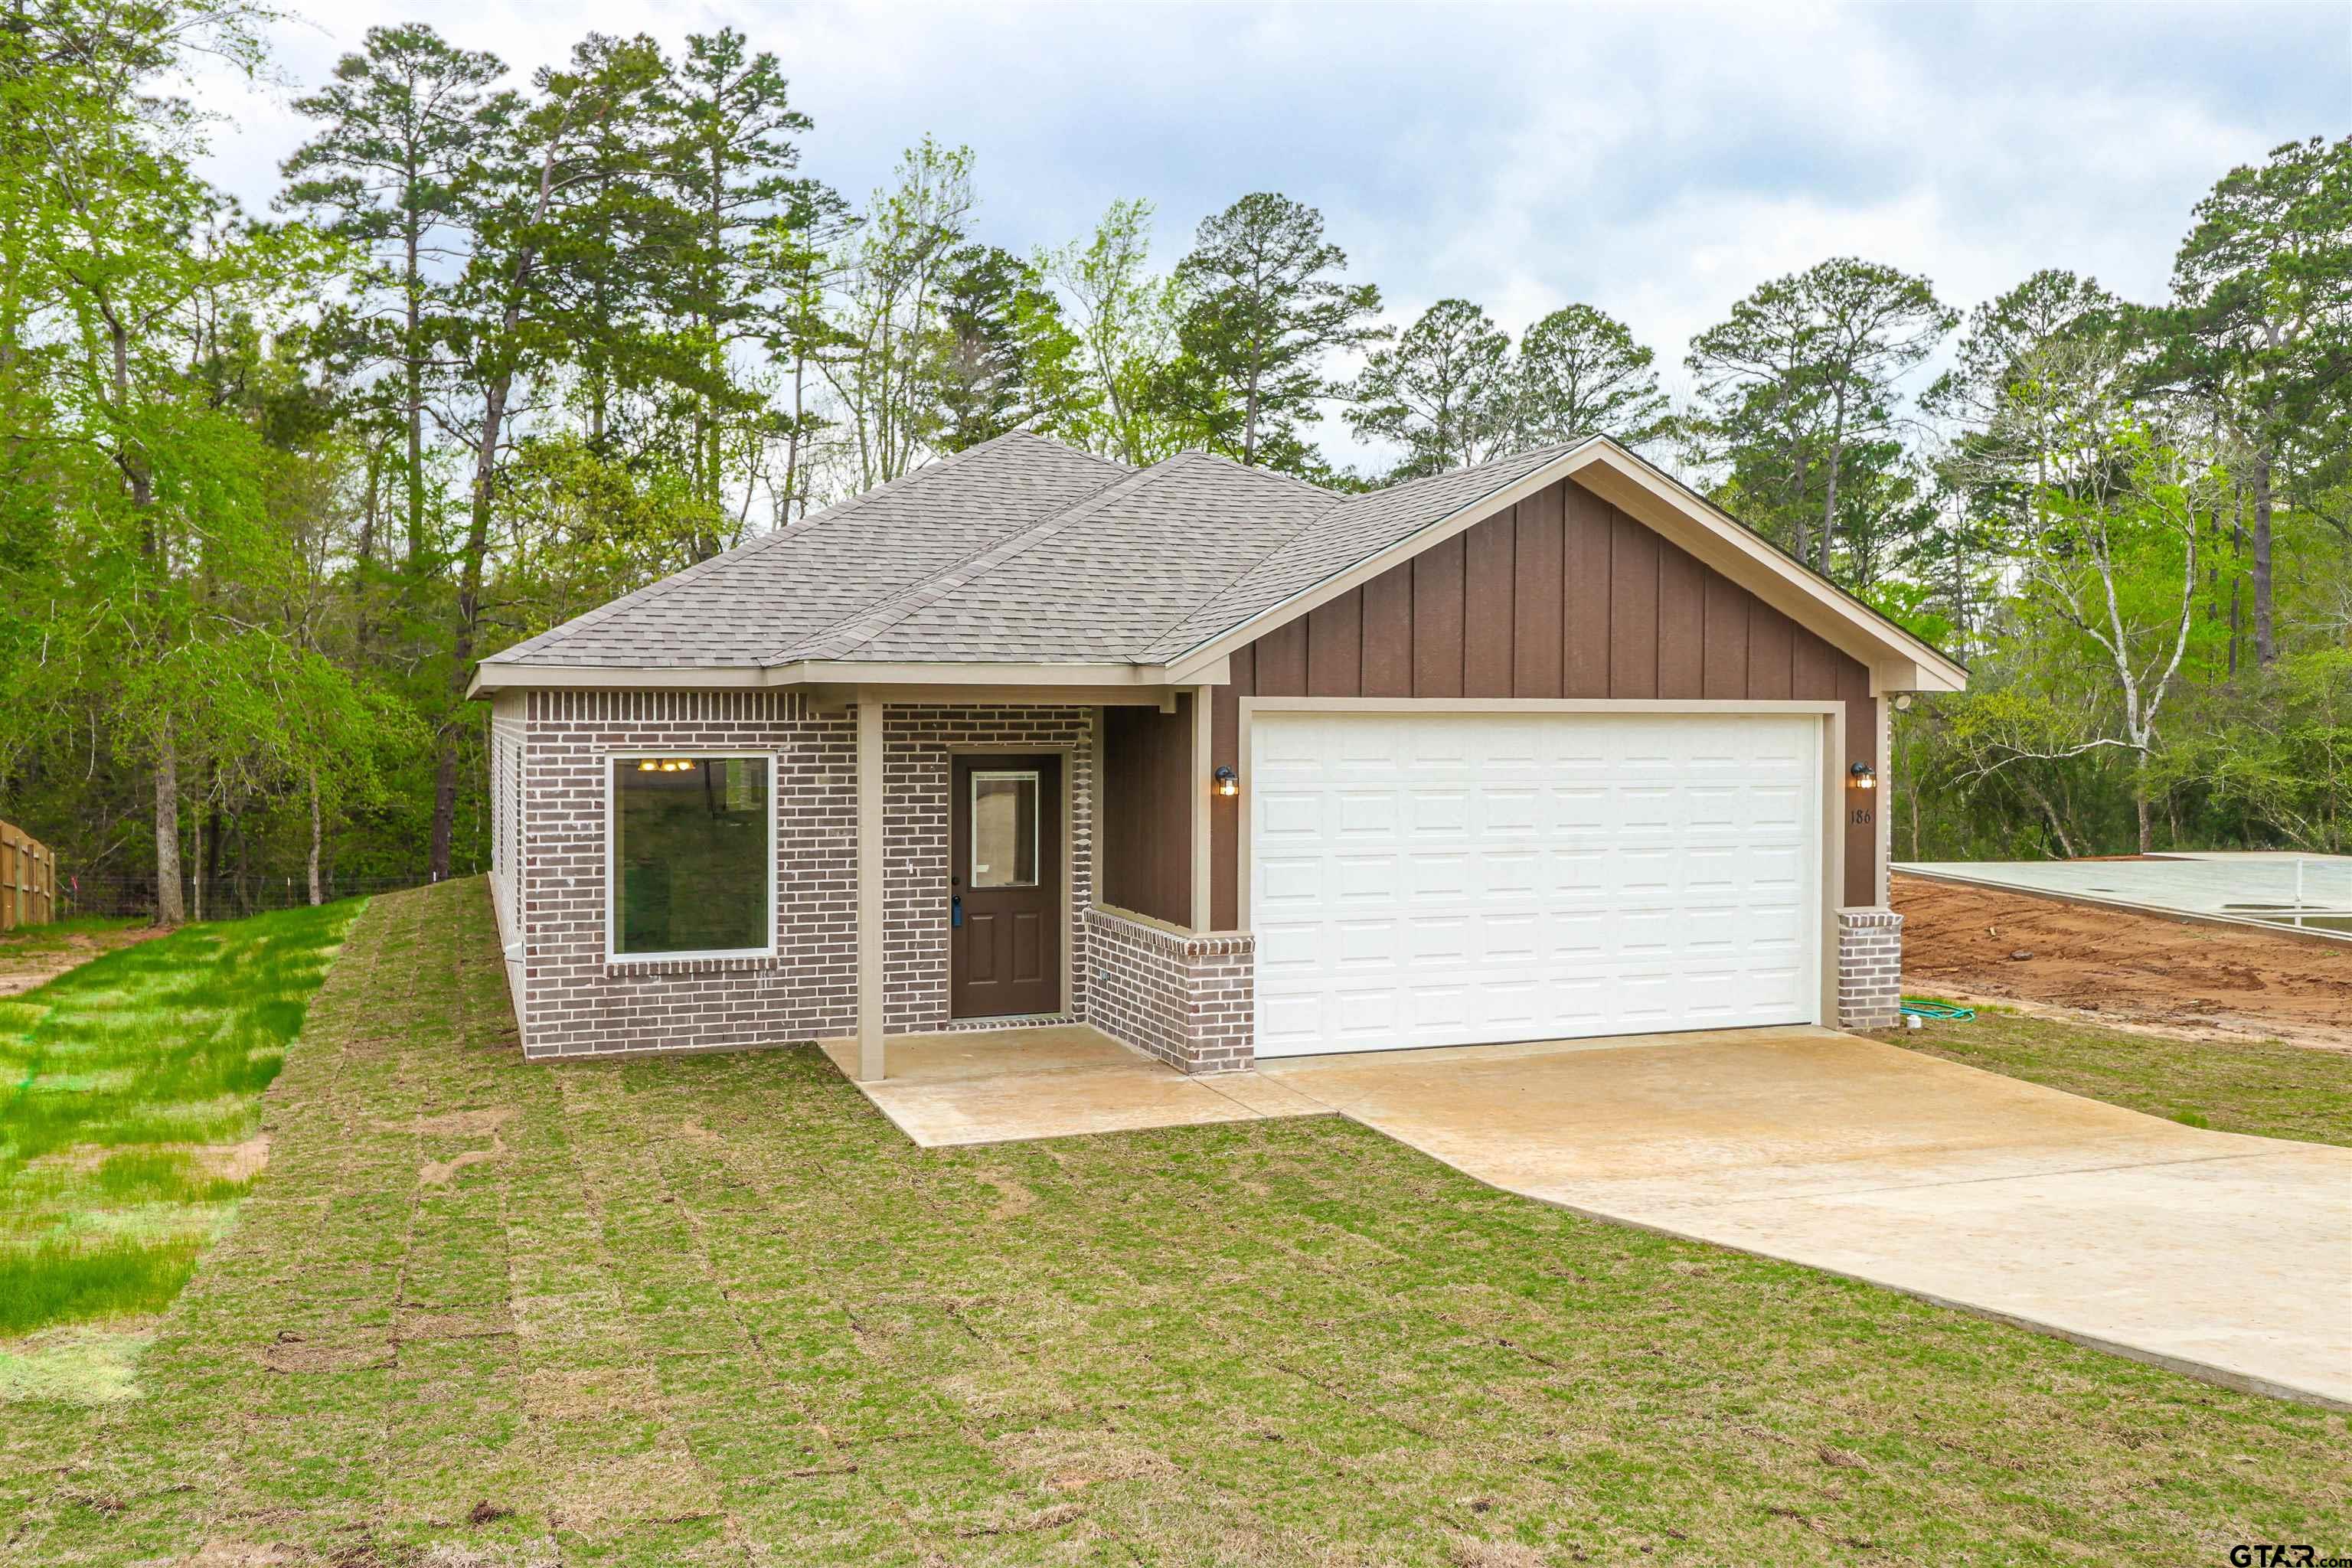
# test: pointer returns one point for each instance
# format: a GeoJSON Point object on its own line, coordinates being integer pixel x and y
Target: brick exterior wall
{"type": "Point", "coordinates": [1869, 968]}
{"type": "Point", "coordinates": [1188, 1000]}
{"type": "Point", "coordinates": [915, 745]}
{"type": "Point", "coordinates": [575, 1003]}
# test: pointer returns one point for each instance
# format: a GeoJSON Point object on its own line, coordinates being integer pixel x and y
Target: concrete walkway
{"type": "Point", "coordinates": [1003, 1086]}
{"type": "Point", "coordinates": [2223, 1256]}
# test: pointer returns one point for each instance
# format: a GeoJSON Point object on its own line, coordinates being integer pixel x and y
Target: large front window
{"type": "Point", "coordinates": [692, 866]}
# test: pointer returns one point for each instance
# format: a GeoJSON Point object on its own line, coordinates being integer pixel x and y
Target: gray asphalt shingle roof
{"type": "Point", "coordinates": [1020, 550]}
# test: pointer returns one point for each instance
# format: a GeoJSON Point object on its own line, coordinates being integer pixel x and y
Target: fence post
{"type": "Point", "coordinates": [8, 856]}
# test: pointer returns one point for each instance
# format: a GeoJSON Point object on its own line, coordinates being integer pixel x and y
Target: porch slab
{"type": "Point", "coordinates": [1058, 1081]}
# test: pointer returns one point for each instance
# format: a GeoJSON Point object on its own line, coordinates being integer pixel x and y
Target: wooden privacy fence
{"type": "Point", "coordinates": [29, 879]}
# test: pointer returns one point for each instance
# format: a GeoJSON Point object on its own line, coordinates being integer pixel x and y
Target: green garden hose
{"type": "Point", "coordinates": [1920, 1007]}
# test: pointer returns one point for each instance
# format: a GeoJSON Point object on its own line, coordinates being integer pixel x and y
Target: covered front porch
{"type": "Point", "coordinates": [1058, 1080]}
{"type": "Point", "coordinates": [1032, 888]}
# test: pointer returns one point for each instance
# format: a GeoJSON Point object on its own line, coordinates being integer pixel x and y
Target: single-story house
{"type": "Point", "coordinates": [1221, 762]}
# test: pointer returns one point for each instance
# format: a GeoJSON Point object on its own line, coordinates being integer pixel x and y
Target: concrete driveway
{"type": "Point", "coordinates": [2228, 1257]}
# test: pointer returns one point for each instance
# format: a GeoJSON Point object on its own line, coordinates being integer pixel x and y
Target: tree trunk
{"type": "Point", "coordinates": [2140, 805]}
{"type": "Point", "coordinates": [468, 623]}
{"type": "Point", "coordinates": [1249, 422]}
{"type": "Point", "coordinates": [445, 798]}
{"type": "Point", "coordinates": [2237, 614]}
{"type": "Point", "coordinates": [2266, 633]}
{"type": "Point", "coordinates": [315, 823]}
{"type": "Point", "coordinates": [1829, 503]}
{"type": "Point", "coordinates": [412, 350]}
{"type": "Point", "coordinates": [170, 910]}
{"type": "Point", "coordinates": [792, 441]}
{"type": "Point", "coordinates": [1801, 546]}
{"type": "Point", "coordinates": [208, 862]}
{"type": "Point", "coordinates": [2050, 814]}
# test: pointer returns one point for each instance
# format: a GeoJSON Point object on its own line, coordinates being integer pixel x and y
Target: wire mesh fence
{"type": "Point", "coordinates": [229, 897]}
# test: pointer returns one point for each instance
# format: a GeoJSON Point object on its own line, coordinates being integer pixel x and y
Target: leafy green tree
{"type": "Point", "coordinates": [1875, 325]}
{"type": "Point", "coordinates": [1762, 412]}
{"type": "Point", "coordinates": [2115, 571]}
{"type": "Point", "coordinates": [2280, 746]}
{"type": "Point", "coordinates": [892, 276]}
{"type": "Point", "coordinates": [1582, 374]}
{"type": "Point", "coordinates": [793, 254]}
{"type": "Point", "coordinates": [136, 264]}
{"type": "Point", "coordinates": [2261, 321]}
{"type": "Point", "coordinates": [1263, 308]}
{"type": "Point", "coordinates": [1112, 389]}
{"type": "Point", "coordinates": [731, 162]}
{"type": "Point", "coordinates": [1443, 391]}
{"type": "Point", "coordinates": [539, 201]}
{"type": "Point", "coordinates": [580, 525]}
{"type": "Point", "coordinates": [1807, 366]}
{"type": "Point", "coordinates": [1005, 357]}
{"type": "Point", "coordinates": [400, 127]}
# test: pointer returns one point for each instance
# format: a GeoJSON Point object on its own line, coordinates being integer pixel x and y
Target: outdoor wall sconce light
{"type": "Point", "coordinates": [1863, 775]}
{"type": "Point", "coordinates": [1228, 784]}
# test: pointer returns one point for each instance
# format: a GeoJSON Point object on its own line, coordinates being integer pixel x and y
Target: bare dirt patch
{"type": "Point", "coordinates": [460, 1124]}
{"type": "Point", "coordinates": [33, 960]}
{"type": "Point", "coordinates": [2127, 970]}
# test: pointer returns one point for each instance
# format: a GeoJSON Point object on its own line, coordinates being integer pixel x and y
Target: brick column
{"type": "Point", "coordinates": [1869, 968]}
{"type": "Point", "coordinates": [1186, 998]}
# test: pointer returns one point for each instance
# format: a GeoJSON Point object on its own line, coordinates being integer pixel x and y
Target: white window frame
{"type": "Point", "coordinates": [1036, 839]}
{"type": "Point", "coordinates": [607, 760]}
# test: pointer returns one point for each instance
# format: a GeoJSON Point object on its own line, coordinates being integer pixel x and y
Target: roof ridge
{"type": "Point", "coordinates": [1332, 498]}
{"type": "Point", "coordinates": [1252, 468]}
{"type": "Point", "coordinates": [852, 632]}
{"type": "Point", "coordinates": [1064, 445]}
{"type": "Point", "coordinates": [556, 635]}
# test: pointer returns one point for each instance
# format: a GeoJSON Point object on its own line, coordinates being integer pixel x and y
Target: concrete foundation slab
{"type": "Point", "coordinates": [2300, 892]}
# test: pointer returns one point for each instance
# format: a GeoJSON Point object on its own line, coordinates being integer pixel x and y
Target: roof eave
{"type": "Point", "coordinates": [490, 677]}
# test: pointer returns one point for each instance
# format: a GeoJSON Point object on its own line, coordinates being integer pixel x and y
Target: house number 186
{"type": "Point", "coordinates": [1861, 817]}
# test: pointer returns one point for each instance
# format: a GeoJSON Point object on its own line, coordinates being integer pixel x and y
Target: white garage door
{"type": "Point", "coordinates": [1465, 878]}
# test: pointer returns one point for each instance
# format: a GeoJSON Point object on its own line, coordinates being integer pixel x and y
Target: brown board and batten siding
{"type": "Point", "coordinates": [1145, 853]}
{"type": "Point", "coordinates": [1562, 596]}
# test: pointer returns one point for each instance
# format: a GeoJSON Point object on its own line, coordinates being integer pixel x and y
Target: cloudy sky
{"type": "Point", "coordinates": [1656, 160]}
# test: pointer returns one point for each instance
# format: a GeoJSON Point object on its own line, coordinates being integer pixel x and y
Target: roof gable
{"type": "Point", "coordinates": [1400, 523]}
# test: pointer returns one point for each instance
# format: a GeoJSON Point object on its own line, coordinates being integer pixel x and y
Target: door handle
{"type": "Point", "coordinates": [955, 910]}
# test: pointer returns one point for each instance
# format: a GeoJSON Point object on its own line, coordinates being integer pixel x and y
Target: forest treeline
{"type": "Point", "coordinates": [517, 337]}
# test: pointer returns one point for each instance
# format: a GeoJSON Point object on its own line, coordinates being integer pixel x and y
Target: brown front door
{"type": "Point", "coordinates": [1004, 883]}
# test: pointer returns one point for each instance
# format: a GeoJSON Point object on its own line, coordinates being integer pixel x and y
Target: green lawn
{"type": "Point", "coordinates": [2270, 1090]}
{"type": "Point", "coordinates": [130, 1094]}
{"type": "Point", "coordinates": [715, 1309]}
